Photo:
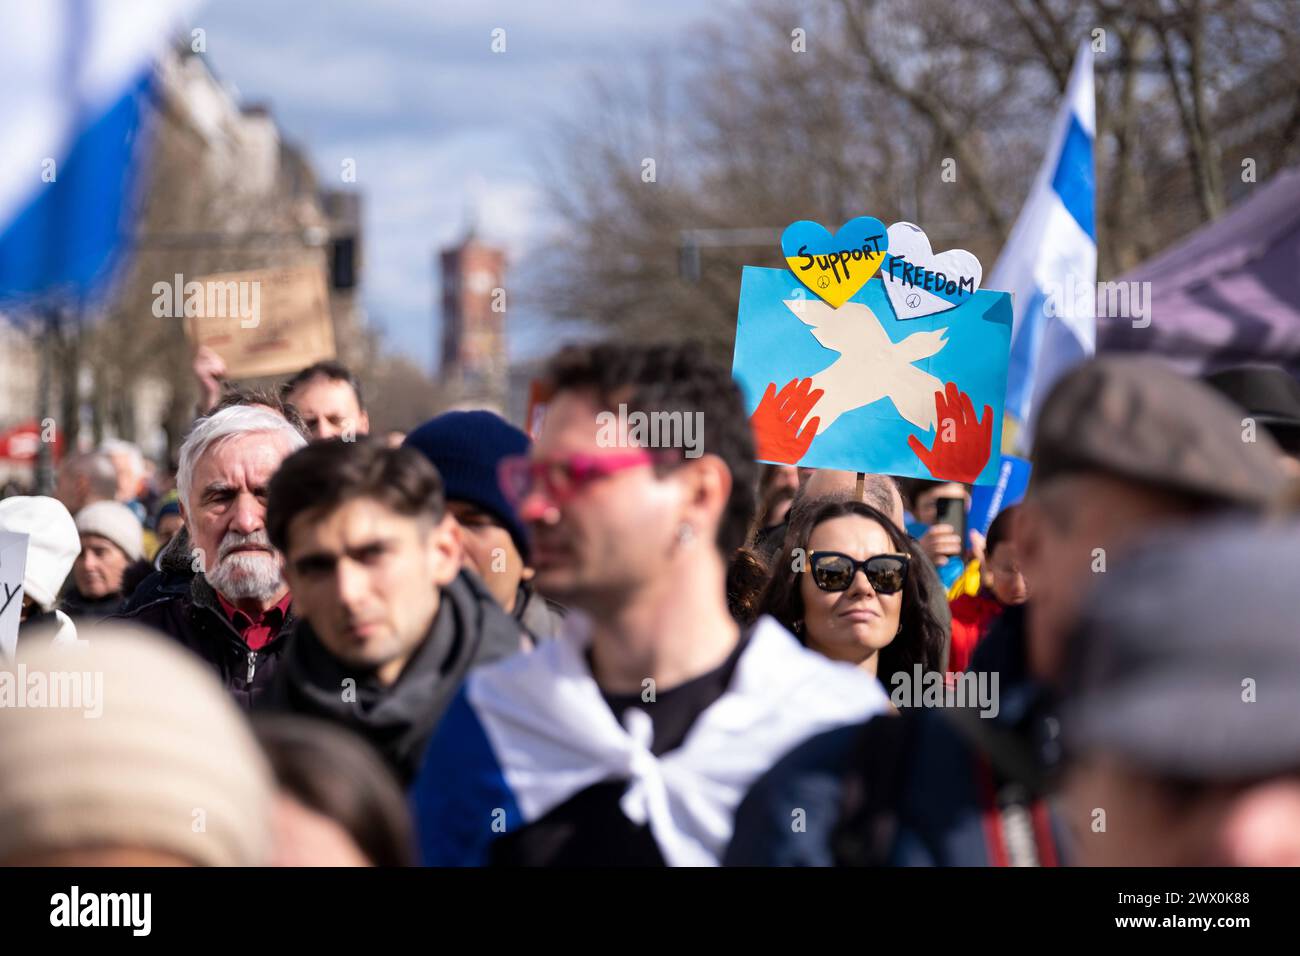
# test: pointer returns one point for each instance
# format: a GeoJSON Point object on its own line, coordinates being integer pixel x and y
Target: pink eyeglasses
{"type": "Point", "coordinates": [562, 478]}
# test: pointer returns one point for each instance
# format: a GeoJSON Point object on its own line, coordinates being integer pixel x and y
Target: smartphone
{"type": "Point", "coordinates": [952, 512]}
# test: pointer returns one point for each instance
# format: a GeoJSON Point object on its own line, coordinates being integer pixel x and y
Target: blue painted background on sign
{"type": "Point", "coordinates": [773, 345]}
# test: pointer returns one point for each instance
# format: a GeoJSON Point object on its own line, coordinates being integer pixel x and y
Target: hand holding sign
{"type": "Point", "coordinates": [962, 444]}
{"type": "Point", "coordinates": [777, 419]}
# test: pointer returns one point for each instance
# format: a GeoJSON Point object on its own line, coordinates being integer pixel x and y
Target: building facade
{"type": "Point", "coordinates": [473, 367]}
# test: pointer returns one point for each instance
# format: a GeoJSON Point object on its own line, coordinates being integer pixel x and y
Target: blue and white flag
{"type": "Point", "coordinates": [74, 77]}
{"type": "Point", "coordinates": [526, 734]}
{"type": "Point", "coordinates": [1049, 263]}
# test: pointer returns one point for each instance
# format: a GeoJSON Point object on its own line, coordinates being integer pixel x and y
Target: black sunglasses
{"type": "Point", "coordinates": [833, 571]}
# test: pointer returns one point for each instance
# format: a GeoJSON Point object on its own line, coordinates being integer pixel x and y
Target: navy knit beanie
{"type": "Point", "coordinates": [465, 447]}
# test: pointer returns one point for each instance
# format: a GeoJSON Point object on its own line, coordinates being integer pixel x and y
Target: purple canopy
{"type": "Point", "coordinates": [1228, 294]}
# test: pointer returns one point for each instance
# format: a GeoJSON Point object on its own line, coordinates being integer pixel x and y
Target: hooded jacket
{"type": "Point", "coordinates": [470, 628]}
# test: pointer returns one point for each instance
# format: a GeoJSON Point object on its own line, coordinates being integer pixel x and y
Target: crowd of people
{"type": "Point", "coordinates": [306, 645]}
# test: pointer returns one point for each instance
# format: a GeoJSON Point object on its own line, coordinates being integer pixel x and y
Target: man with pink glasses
{"type": "Point", "coordinates": [631, 737]}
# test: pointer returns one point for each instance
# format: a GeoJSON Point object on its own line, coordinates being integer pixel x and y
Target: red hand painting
{"type": "Point", "coordinates": [962, 444]}
{"type": "Point", "coordinates": [777, 420]}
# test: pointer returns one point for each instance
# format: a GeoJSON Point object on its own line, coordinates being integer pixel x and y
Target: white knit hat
{"type": "Point", "coordinates": [116, 522]}
{"type": "Point", "coordinates": [52, 547]}
{"type": "Point", "coordinates": [153, 756]}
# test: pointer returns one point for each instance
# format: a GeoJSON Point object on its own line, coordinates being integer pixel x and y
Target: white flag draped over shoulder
{"type": "Point", "coordinates": [1049, 263]}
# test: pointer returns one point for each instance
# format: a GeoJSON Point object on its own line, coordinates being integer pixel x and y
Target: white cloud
{"type": "Point", "coordinates": [439, 126]}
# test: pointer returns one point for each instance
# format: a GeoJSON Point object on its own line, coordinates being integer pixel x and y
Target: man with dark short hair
{"type": "Point", "coordinates": [390, 624]}
{"type": "Point", "coordinates": [328, 396]}
{"type": "Point", "coordinates": [629, 738]}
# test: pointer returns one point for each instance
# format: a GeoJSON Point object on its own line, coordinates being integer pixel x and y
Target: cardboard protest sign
{"type": "Point", "coordinates": [263, 322]}
{"type": "Point", "coordinates": [13, 565]}
{"type": "Point", "coordinates": [860, 387]}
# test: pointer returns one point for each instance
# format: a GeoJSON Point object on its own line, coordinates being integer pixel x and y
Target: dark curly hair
{"type": "Point", "coordinates": [922, 637]}
{"type": "Point", "coordinates": [672, 378]}
{"type": "Point", "coordinates": [747, 576]}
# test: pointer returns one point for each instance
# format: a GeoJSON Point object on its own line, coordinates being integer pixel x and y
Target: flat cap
{"type": "Point", "coordinates": [1137, 419]}
{"type": "Point", "coordinates": [1186, 658]}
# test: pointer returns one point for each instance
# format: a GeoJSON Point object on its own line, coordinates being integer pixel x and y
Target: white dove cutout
{"type": "Point", "coordinates": [871, 366]}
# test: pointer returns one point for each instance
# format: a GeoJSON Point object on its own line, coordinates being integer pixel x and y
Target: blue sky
{"type": "Point", "coordinates": [437, 123]}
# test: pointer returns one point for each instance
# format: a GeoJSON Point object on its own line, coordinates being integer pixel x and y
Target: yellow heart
{"type": "Point", "coordinates": [835, 267]}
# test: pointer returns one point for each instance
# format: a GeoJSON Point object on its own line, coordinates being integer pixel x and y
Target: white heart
{"type": "Point", "coordinates": [908, 243]}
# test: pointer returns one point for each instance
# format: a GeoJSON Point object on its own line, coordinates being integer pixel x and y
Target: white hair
{"type": "Point", "coordinates": [223, 425]}
{"type": "Point", "coordinates": [116, 446]}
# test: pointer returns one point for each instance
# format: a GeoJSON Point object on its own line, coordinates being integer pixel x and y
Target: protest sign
{"type": "Point", "coordinates": [860, 387]}
{"type": "Point", "coordinates": [263, 322]}
{"type": "Point", "coordinates": [13, 565]}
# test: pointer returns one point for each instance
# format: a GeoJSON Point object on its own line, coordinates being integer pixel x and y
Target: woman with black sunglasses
{"type": "Point", "coordinates": [848, 585]}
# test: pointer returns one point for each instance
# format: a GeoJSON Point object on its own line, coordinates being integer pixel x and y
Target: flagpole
{"type": "Point", "coordinates": [44, 477]}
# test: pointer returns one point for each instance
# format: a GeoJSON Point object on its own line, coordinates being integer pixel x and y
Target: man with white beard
{"type": "Point", "coordinates": [236, 613]}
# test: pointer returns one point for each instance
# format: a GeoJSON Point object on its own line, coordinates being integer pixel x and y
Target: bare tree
{"type": "Point", "coordinates": [751, 128]}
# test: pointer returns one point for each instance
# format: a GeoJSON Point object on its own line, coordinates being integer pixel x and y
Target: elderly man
{"type": "Point", "coordinates": [235, 614]}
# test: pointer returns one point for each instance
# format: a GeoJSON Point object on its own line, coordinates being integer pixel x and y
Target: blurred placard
{"type": "Point", "coordinates": [263, 322]}
{"type": "Point", "coordinates": [13, 565]}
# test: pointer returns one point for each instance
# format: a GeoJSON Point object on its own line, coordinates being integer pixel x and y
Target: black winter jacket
{"type": "Point", "coordinates": [187, 609]}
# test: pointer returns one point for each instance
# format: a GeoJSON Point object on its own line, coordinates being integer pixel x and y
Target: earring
{"type": "Point", "coordinates": [685, 533]}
